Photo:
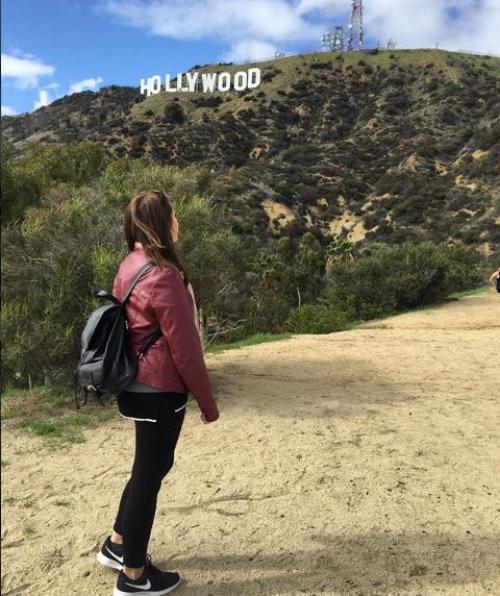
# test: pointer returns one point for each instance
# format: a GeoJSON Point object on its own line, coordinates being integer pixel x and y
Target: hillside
{"type": "Point", "coordinates": [382, 145]}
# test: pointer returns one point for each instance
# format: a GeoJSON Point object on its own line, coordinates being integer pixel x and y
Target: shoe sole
{"type": "Point", "coordinates": [117, 592]}
{"type": "Point", "coordinates": [106, 561]}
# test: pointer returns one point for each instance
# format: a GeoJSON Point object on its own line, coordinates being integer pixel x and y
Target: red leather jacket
{"type": "Point", "coordinates": [160, 299]}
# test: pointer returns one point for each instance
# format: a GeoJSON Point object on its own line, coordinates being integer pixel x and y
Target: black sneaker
{"type": "Point", "coordinates": [111, 554]}
{"type": "Point", "coordinates": [153, 582]}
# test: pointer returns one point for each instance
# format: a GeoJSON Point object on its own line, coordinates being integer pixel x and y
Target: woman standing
{"type": "Point", "coordinates": [157, 398]}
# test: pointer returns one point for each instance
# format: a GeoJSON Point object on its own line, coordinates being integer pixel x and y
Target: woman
{"type": "Point", "coordinates": [156, 400]}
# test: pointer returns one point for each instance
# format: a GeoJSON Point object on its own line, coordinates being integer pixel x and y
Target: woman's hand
{"type": "Point", "coordinates": [212, 418]}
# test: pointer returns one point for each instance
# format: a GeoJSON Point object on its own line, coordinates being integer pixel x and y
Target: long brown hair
{"type": "Point", "coordinates": [148, 220]}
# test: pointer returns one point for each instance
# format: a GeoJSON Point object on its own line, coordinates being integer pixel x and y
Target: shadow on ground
{"type": "Point", "coordinates": [305, 388]}
{"type": "Point", "coordinates": [368, 565]}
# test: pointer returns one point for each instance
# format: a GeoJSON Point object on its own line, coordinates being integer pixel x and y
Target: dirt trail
{"type": "Point", "coordinates": [363, 462]}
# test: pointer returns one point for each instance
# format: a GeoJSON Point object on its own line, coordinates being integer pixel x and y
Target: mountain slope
{"type": "Point", "coordinates": [380, 145]}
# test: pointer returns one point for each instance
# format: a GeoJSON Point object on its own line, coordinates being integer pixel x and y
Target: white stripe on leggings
{"type": "Point", "coordinates": [149, 419]}
{"type": "Point", "coordinates": [139, 419]}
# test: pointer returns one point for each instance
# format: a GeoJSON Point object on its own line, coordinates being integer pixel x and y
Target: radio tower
{"type": "Point", "coordinates": [355, 41]}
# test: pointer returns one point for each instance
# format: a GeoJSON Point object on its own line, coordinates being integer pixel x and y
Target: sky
{"type": "Point", "coordinates": [52, 48]}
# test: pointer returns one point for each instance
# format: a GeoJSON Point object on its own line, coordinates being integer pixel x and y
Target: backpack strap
{"type": "Point", "coordinates": [148, 343]}
{"type": "Point", "coordinates": [108, 295]}
{"type": "Point", "coordinates": [137, 277]}
{"type": "Point", "coordinates": [157, 334]}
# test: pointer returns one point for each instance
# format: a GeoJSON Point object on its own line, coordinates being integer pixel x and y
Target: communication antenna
{"type": "Point", "coordinates": [328, 40]}
{"type": "Point", "coordinates": [333, 42]}
{"type": "Point", "coordinates": [356, 35]}
{"type": "Point", "coordinates": [338, 41]}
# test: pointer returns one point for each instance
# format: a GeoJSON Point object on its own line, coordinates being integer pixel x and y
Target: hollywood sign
{"type": "Point", "coordinates": [206, 82]}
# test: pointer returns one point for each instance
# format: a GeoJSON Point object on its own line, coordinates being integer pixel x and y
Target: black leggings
{"type": "Point", "coordinates": [154, 456]}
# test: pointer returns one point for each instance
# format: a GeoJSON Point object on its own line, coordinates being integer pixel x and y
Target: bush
{"type": "Point", "coordinates": [320, 65]}
{"type": "Point", "coordinates": [76, 163]}
{"type": "Point", "coordinates": [125, 177]}
{"type": "Point", "coordinates": [174, 113]}
{"type": "Point", "coordinates": [319, 318]}
{"type": "Point", "coordinates": [401, 277]}
{"type": "Point", "coordinates": [211, 101]}
{"type": "Point", "coordinates": [20, 190]}
{"type": "Point", "coordinates": [305, 154]}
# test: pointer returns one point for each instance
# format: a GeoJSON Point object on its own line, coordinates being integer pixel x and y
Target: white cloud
{"type": "Point", "coordinates": [194, 19]}
{"type": "Point", "coordinates": [43, 99]}
{"type": "Point", "coordinates": [91, 84]}
{"type": "Point", "coordinates": [250, 50]}
{"type": "Point", "coordinates": [25, 70]}
{"type": "Point", "coordinates": [327, 7]}
{"type": "Point", "coordinates": [250, 24]}
{"type": "Point", "coordinates": [246, 22]}
{"type": "Point", "coordinates": [8, 111]}
{"type": "Point", "coordinates": [478, 29]}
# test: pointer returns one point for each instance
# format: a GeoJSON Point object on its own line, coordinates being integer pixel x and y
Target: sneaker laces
{"type": "Point", "coordinates": [150, 568]}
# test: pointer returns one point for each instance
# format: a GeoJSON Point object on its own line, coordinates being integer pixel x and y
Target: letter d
{"type": "Point", "coordinates": [253, 77]}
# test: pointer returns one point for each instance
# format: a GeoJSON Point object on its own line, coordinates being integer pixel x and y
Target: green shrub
{"type": "Point", "coordinates": [401, 277]}
{"type": "Point", "coordinates": [20, 190]}
{"type": "Point", "coordinates": [125, 177]}
{"type": "Point", "coordinates": [174, 113]}
{"type": "Point", "coordinates": [77, 162]}
{"type": "Point", "coordinates": [319, 318]}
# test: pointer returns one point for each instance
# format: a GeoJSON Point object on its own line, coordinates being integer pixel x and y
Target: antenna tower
{"type": "Point", "coordinates": [327, 41]}
{"type": "Point", "coordinates": [355, 41]}
{"type": "Point", "coordinates": [338, 40]}
{"type": "Point", "coordinates": [334, 41]}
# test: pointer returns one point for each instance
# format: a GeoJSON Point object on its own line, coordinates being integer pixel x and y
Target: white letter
{"type": "Point", "coordinates": [240, 80]}
{"type": "Point", "coordinates": [224, 81]}
{"type": "Point", "coordinates": [192, 77]}
{"type": "Point", "coordinates": [155, 84]}
{"type": "Point", "coordinates": [208, 81]}
{"type": "Point", "coordinates": [145, 87]}
{"type": "Point", "coordinates": [179, 82]}
{"type": "Point", "coordinates": [253, 83]}
{"type": "Point", "coordinates": [168, 84]}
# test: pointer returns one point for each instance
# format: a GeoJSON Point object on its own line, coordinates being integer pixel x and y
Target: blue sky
{"type": "Point", "coordinates": [54, 47]}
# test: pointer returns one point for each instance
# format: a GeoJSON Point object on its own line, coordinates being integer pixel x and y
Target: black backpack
{"type": "Point", "coordinates": [105, 367]}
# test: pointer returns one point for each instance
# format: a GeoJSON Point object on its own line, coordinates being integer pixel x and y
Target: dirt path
{"type": "Point", "coordinates": [364, 462]}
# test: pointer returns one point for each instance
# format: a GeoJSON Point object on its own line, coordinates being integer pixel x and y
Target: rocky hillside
{"type": "Point", "coordinates": [379, 145]}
